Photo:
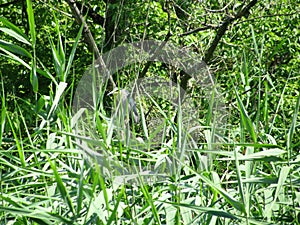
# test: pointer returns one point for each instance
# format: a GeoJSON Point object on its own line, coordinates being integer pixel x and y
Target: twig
{"type": "Point", "coordinates": [207, 27]}
{"type": "Point", "coordinates": [218, 10]}
{"type": "Point", "coordinates": [266, 16]}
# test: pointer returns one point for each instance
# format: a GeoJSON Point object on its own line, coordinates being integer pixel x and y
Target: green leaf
{"type": "Point", "coordinates": [40, 104]}
{"type": "Point", "coordinates": [13, 27]}
{"type": "Point", "coordinates": [14, 131]}
{"type": "Point", "coordinates": [37, 215]}
{"type": "Point", "coordinates": [281, 180]}
{"type": "Point", "coordinates": [61, 187]}
{"type": "Point", "coordinates": [15, 35]}
{"type": "Point", "coordinates": [114, 215]}
{"type": "Point", "coordinates": [236, 204]}
{"type": "Point", "coordinates": [245, 118]}
{"type": "Point", "coordinates": [73, 52]}
{"type": "Point", "coordinates": [14, 57]}
{"type": "Point", "coordinates": [33, 78]}
{"type": "Point", "coordinates": [240, 180]}
{"type": "Point", "coordinates": [59, 91]}
{"type": "Point", "coordinates": [3, 112]}
{"type": "Point", "coordinates": [265, 155]}
{"type": "Point", "coordinates": [14, 48]}
{"type": "Point", "coordinates": [208, 210]}
{"type": "Point", "coordinates": [293, 126]}
{"type": "Point", "coordinates": [31, 22]}
{"type": "Point", "coordinates": [58, 61]}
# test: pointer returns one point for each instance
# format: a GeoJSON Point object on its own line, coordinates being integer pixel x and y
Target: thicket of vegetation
{"type": "Point", "coordinates": [249, 174]}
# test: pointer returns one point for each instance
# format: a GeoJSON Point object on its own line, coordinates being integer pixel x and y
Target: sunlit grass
{"type": "Point", "coordinates": [51, 172]}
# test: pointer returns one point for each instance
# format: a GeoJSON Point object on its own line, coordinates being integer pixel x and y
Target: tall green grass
{"type": "Point", "coordinates": [46, 179]}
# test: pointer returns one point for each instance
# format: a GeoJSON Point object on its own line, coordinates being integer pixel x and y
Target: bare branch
{"type": "Point", "coordinates": [89, 37]}
{"type": "Point", "coordinates": [86, 31]}
{"type": "Point", "coordinates": [223, 28]}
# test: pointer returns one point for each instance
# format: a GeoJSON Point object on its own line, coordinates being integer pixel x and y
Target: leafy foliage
{"type": "Point", "coordinates": [252, 176]}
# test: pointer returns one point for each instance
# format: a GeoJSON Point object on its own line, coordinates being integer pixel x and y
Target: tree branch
{"type": "Point", "coordinates": [148, 64]}
{"type": "Point", "coordinates": [89, 37]}
{"type": "Point", "coordinates": [97, 19]}
{"type": "Point", "coordinates": [223, 28]}
{"type": "Point", "coordinates": [86, 31]}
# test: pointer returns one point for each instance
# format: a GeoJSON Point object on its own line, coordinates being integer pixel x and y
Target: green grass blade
{"type": "Point", "coordinates": [3, 112]}
{"type": "Point", "coordinates": [31, 22]}
{"type": "Point", "coordinates": [57, 60]}
{"type": "Point", "coordinates": [18, 142]}
{"type": "Point", "coordinates": [61, 187]}
{"type": "Point", "coordinates": [13, 27]}
{"type": "Point", "coordinates": [80, 190]}
{"type": "Point", "coordinates": [33, 77]}
{"type": "Point", "coordinates": [14, 57]}
{"type": "Point", "coordinates": [208, 210]}
{"type": "Point", "coordinates": [15, 35]}
{"type": "Point", "coordinates": [149, 199]}
{"type": "Point", "coordinates": [59, 91]}
{"type": "Point", "coordinates": [15, 49]}
{"type": "Point", "coordinates": [36, 215]}
{"type": "Point", "coordinates": [254, 42]}
{"type": "Point", "coordinates": [73, 51]}
{"type": "Point", "coordinates": [59, 53]}
{"type": "Point", "coordinates": [245, 118]}
{"type": "Point", "coordinates": [114, 215]}
{"type": "Point", "coordinates": [284, 172]}
{"type": "Point", "coordinates": [240, 181]}
{"type": "Point", "coordinates": [236, 204]}
{"type": "Point", "coordinates": [293, 127]}
{"type": "Point", "coordinates": [264, 155]}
